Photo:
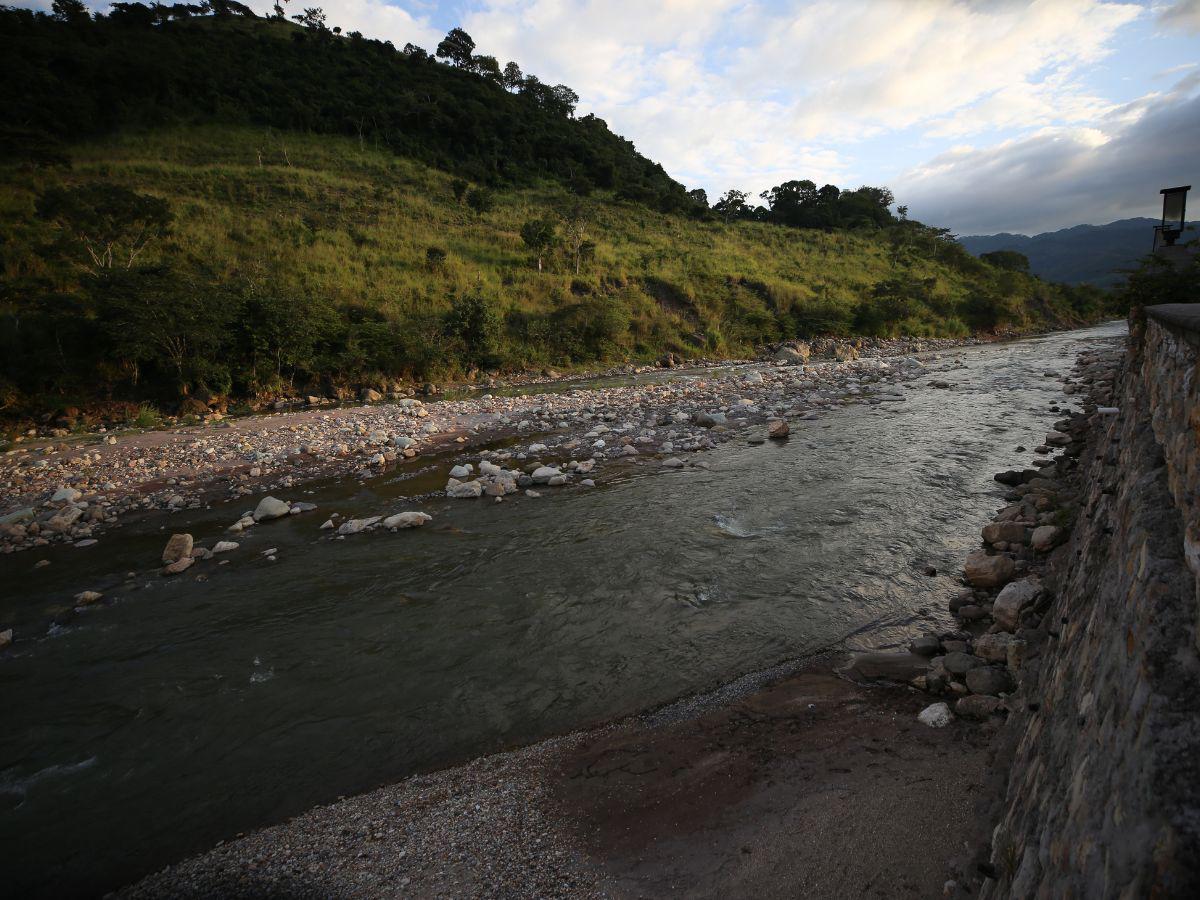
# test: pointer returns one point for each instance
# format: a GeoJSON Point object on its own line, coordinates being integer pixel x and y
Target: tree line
{"type": "Point", "coordinates": [71, 75]}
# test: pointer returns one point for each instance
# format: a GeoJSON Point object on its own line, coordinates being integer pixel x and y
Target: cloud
{"type": "Point", "coordinates": [1064, 176]}
{"type": "Point", "coordinates": [1183, 15]}
{"type": "Point", "coordinates": [374, 18]}
{"type": "Point", "coordinates": [732, 93]}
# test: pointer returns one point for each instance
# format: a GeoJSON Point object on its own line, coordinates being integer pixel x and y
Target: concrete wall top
{"type": "Point", "coordinates": [1181, 315]}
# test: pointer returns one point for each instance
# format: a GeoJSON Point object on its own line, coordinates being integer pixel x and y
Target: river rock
{"type": "Point", "coordinates": [65, 519]}
{"type": "Point", "coordinates": [1014, 598]}
{"type": "Point", "coordinates": [83, 598]}
{"type": "Point", "coordinates": [460, 472]}
{"type": "Point", "coordinates": [65, 495]}
{"type": "Point", "coordinates": [16, 518]}
{"type": "Point", "coordinates": [986, 571]}
{"type": "Point", "coordinates": [777, 430]}
{"type": "Point", "coordinates": [354, 526]}
{"type": "Point", "coordinates": [6, 638]}
{"type": "Point", "coordinates": [794, 354]}
{"type": "Point", "coordinates": [977, 706]}
{"type": "Point", "coordinates": [543, 474]}
{"type": "Point", "coordinates": [1014, 477]}
{"type": "Point", "coordinates": [464, 490]}
{"type": "Point", "coordinates": [887, 665]}
{"type": "Point", "coordinates": [370, 395]}
{"type": "Point", "coordinates": [958, 663]}
{"type": "Point", "coordinates": [989, 680]}
{"type": "Point", "coordinates": [225, 546]}
{"type": "Point", "coordinates": [270, 508]}
{"type": "Point", "coordinates": [1010, 532]}
{"type": "Point", "coordinates": [1046, 537]}
{"type": "Point", "coordinates": [673, 462]}
{"type": "Point", "coordinates": [179, 546]}
{"type": "Point", "coordinates": [407, 520]}
{"type": "Point", "coordinates": [993, 648]}
{"type": "Point", "coordinates": [180, 565]}
{"type": "Point", "coordinates": [937, 715]}
{"type": "Point", "coordinates": [708, 420]}
{"type": "Point", "coordinates": [926, 645]}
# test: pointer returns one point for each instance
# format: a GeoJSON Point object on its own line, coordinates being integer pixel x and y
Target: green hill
{"type": "Point", "coordinates": [224, 256]}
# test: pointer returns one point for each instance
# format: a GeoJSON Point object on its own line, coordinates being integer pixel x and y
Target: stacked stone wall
{"type": "Point", "coordinates": [1102, 744]}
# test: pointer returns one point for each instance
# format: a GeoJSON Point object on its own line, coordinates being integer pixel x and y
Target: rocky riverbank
{"type": "Point", "coordinates": [804, 782]}
{"type": "Point", "coordinates": [71, 493]}
{"type": "Point", "coordinates": [1003, 602]}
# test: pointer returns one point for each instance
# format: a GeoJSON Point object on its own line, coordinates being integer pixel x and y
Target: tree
{"type": "Point", "coordinates": [481, 200]}
{"type": "Point", "coordinates": [1008, 260]}
{"type": "Point", "coordinates": [169, 320]}
{"type": "Point", "coordinates": [412, 51]}
{"type": "Point", "coordinates": [475, 321]}
{"type": "Point", "coordinates": [539, 235]}
{"type": "Point", "coordinates": [312, 17]}
{"type": "Point", "coordinates": [566, 99]}
{"type": "Point", "coordinates": [575, 225]}
{"type": "Point", "coordinates": [70, 11]}
{"type": "Point", "coordinates": [112, 224]}
{"type": "Point", "coordinates": [225, 8]}
{"type": "Point", "coordinates": [457, 47]}
{"type": "Point", "coordinates": [732, 205]}
{"type": "Point", "coordinates": [512, 76]}
{"type": "Point", "coordinates": [699, 196]}
{"type": "Point", "coordinates": [488, 67]}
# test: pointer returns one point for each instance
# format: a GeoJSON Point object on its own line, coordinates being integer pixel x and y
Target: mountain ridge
{"type": "Point", "coordinates": [1078, 254]}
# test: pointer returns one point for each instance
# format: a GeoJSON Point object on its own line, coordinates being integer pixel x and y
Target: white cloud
{"type": "Point", "coordinates": [727, 92]}
{"type": "Point", "coordinates": [1065, 176]}
{"type": "Point", "coordinates": [374, 18]}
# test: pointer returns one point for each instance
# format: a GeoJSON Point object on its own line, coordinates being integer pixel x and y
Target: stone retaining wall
{"type": "Point", "coordinates": [1103, 741]}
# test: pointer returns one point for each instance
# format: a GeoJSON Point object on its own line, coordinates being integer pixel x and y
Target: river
{"type": "Point", "coordinates": [188, 711]}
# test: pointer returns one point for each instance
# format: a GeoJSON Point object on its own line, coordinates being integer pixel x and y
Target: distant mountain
{"type": "Point", "coordinates": [1084, 253]}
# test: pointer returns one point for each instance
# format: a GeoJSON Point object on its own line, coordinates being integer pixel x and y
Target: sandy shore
{"type": "Point", "coordinates": [812, 786]}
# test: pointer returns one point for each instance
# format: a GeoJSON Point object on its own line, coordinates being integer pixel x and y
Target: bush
{"type": "Point", "coordinates": [474, 321]}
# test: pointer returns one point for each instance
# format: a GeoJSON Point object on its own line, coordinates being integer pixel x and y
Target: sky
{"type": "Point", "coordinates": [981, 115]}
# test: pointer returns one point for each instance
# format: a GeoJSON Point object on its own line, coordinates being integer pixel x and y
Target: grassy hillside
{"type": "Point", "coordinates": [299, 261]}
{"type": "Point", "coordinates": [144, 67]}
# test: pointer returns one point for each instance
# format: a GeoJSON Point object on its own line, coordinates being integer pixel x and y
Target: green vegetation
{"type": "Point", "coordinates": [194, 249]}
{"type": "Point", "coordinates": [148, 66]}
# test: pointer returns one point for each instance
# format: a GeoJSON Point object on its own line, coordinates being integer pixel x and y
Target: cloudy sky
{"type": "Point", "coordinates": [982, 115]}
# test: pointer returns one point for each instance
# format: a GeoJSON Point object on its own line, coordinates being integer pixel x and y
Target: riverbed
{"type": "Point", "coordinates": [182, 712]}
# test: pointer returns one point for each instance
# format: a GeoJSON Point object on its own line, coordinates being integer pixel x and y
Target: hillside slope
{"type": "Point", "coordinates": [201, 209]}
{"type": "Point", "coordinates": [293, 259]}
{"type": "Point", "coordinates": [72, 80]}
{"type": "Point", "coordinates": [1094, 254]}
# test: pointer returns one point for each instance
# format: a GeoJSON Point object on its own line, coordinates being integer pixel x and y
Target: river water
{"type": "Point", "coordinates": [186, 712]}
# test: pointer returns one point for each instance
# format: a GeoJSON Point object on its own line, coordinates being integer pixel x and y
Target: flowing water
{"type": "Point", "coordinates": [185, 712]}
